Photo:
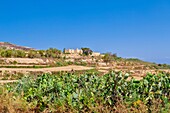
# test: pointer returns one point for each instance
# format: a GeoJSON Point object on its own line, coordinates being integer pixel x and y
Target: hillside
{"type": "Point", "coordinates": [13, 46]}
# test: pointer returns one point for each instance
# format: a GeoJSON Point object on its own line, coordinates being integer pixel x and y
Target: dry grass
{"type": "Point", "coordinates": [9, 104]}
{"type": "Point", "coordinates": [12, 104]}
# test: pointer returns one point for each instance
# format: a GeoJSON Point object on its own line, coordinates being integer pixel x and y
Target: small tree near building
{"type": "Point", "coordinates": [109, 57]}
{"type": "Point", "coordinates": [87, 51]}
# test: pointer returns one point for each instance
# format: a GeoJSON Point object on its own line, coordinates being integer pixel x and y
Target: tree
{"type": "Point", "coordinates": [87, 51]}
{"type": "Point", "coordinates": [64, 50]}
{"type": "Point", "coordinates": [53, 52]}
{"type": "Point", "coordinates": [32, 54]}
{"type": "Point", "coordinates": [41, 53]}
{"type": "Point", "coordinates": [108, 57]}
{"type": "Point", "coordinates": [20, 53]}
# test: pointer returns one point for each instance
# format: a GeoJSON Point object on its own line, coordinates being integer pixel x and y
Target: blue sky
{"type": "Point", "coordinates": [130, 28]}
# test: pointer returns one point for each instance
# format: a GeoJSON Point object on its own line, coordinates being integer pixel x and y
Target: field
{"type": "Point", "coordinates": [84, 56]}
{"type": "Point", "coordinates": [88, 92]}
{"type": "Point", "coordinates": [50, 81]}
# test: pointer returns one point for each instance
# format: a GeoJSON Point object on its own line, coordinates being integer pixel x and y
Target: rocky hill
{"type": "Point", "coordinates": [13, 46]}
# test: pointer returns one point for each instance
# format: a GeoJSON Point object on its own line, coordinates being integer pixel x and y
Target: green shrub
{"type": "Point", "coordinates": [59, 64]}
{"type": "Point", "coordinates": [86, 91]}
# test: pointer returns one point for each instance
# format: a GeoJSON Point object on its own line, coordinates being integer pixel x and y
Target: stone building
{"type": "Point", "coordinates": [79, 51]}
{"type": "Point", "coordinates": [95, 54]}
{"type": "Point", "coordinates": [73, 51]}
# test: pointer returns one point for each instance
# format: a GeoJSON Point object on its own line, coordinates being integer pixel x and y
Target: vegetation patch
{"type": "Point", "coordinates": [92, 93]}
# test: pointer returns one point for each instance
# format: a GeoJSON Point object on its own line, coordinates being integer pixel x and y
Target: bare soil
{"type": "Point", "coordinates": [7, 81]}
{"type": "Point", "coordinates": [22, 65]}
{"type": "Point", "coordinates": [24, 60]}
{"type": "Point", "coordinates": [51, 69]}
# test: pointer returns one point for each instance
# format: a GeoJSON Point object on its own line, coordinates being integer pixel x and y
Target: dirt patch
{"type": "Point", "coordinates": [22, 65]}
{"type": "Point", "coordinates": [7, 81]}
{"type": "Point", "coordinates": [24, 60]}
{"type": "Point", "coordinates": [52, 69]}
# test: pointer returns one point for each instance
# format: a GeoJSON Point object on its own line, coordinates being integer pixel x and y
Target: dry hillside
{"type": "Point", "coordinates": [13, 46]}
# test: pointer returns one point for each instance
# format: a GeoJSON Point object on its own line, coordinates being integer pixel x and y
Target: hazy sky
{"type": "Point", "coordinates": [130, 28]}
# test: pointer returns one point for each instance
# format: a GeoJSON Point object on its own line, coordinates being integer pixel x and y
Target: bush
{"type": "Point", "coordinates": [59, 64]}
{"type": "Point", "coordinates": [86, 92]}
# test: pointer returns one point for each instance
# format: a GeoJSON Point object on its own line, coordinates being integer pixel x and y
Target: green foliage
{"type": "Point", "coordinates": [151, 87]}
{"type": "Point", "coordinates": [12, 53]}
{"type": "Point", "coordinates": [87, 51]}
{"type": "Point", "coordinates": [84, 92]}
{"type": "Point", "coordinates": [61, 62]}
{"type": "Point", "coordinates": [163, 66]}
{"type": "Point", "coordinates": [134, 59]}
{"type": "Point", "coordinates": [58, 64]}
{"type": "Point", "coordinates": [81, 63]}
{"type": "Point", "coordinates": [32, 54]}
{"type": "Point", "coordinates": [53, 52]}
{"type": "Point", "coordinates": [49, 53]}
{"type": "Point", "coordinates": [108, 57]}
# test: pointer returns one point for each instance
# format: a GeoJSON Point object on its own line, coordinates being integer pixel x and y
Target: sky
{"type": "Point", "coordinates": [130, 28]}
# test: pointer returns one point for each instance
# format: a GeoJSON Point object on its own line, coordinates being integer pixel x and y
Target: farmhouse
{"type": "Point", "coordinates": [95, 54]}
{"type": "Point", "coordinates": [73, 51]}
{"type": "Point", "coordinates": [79, 51]}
